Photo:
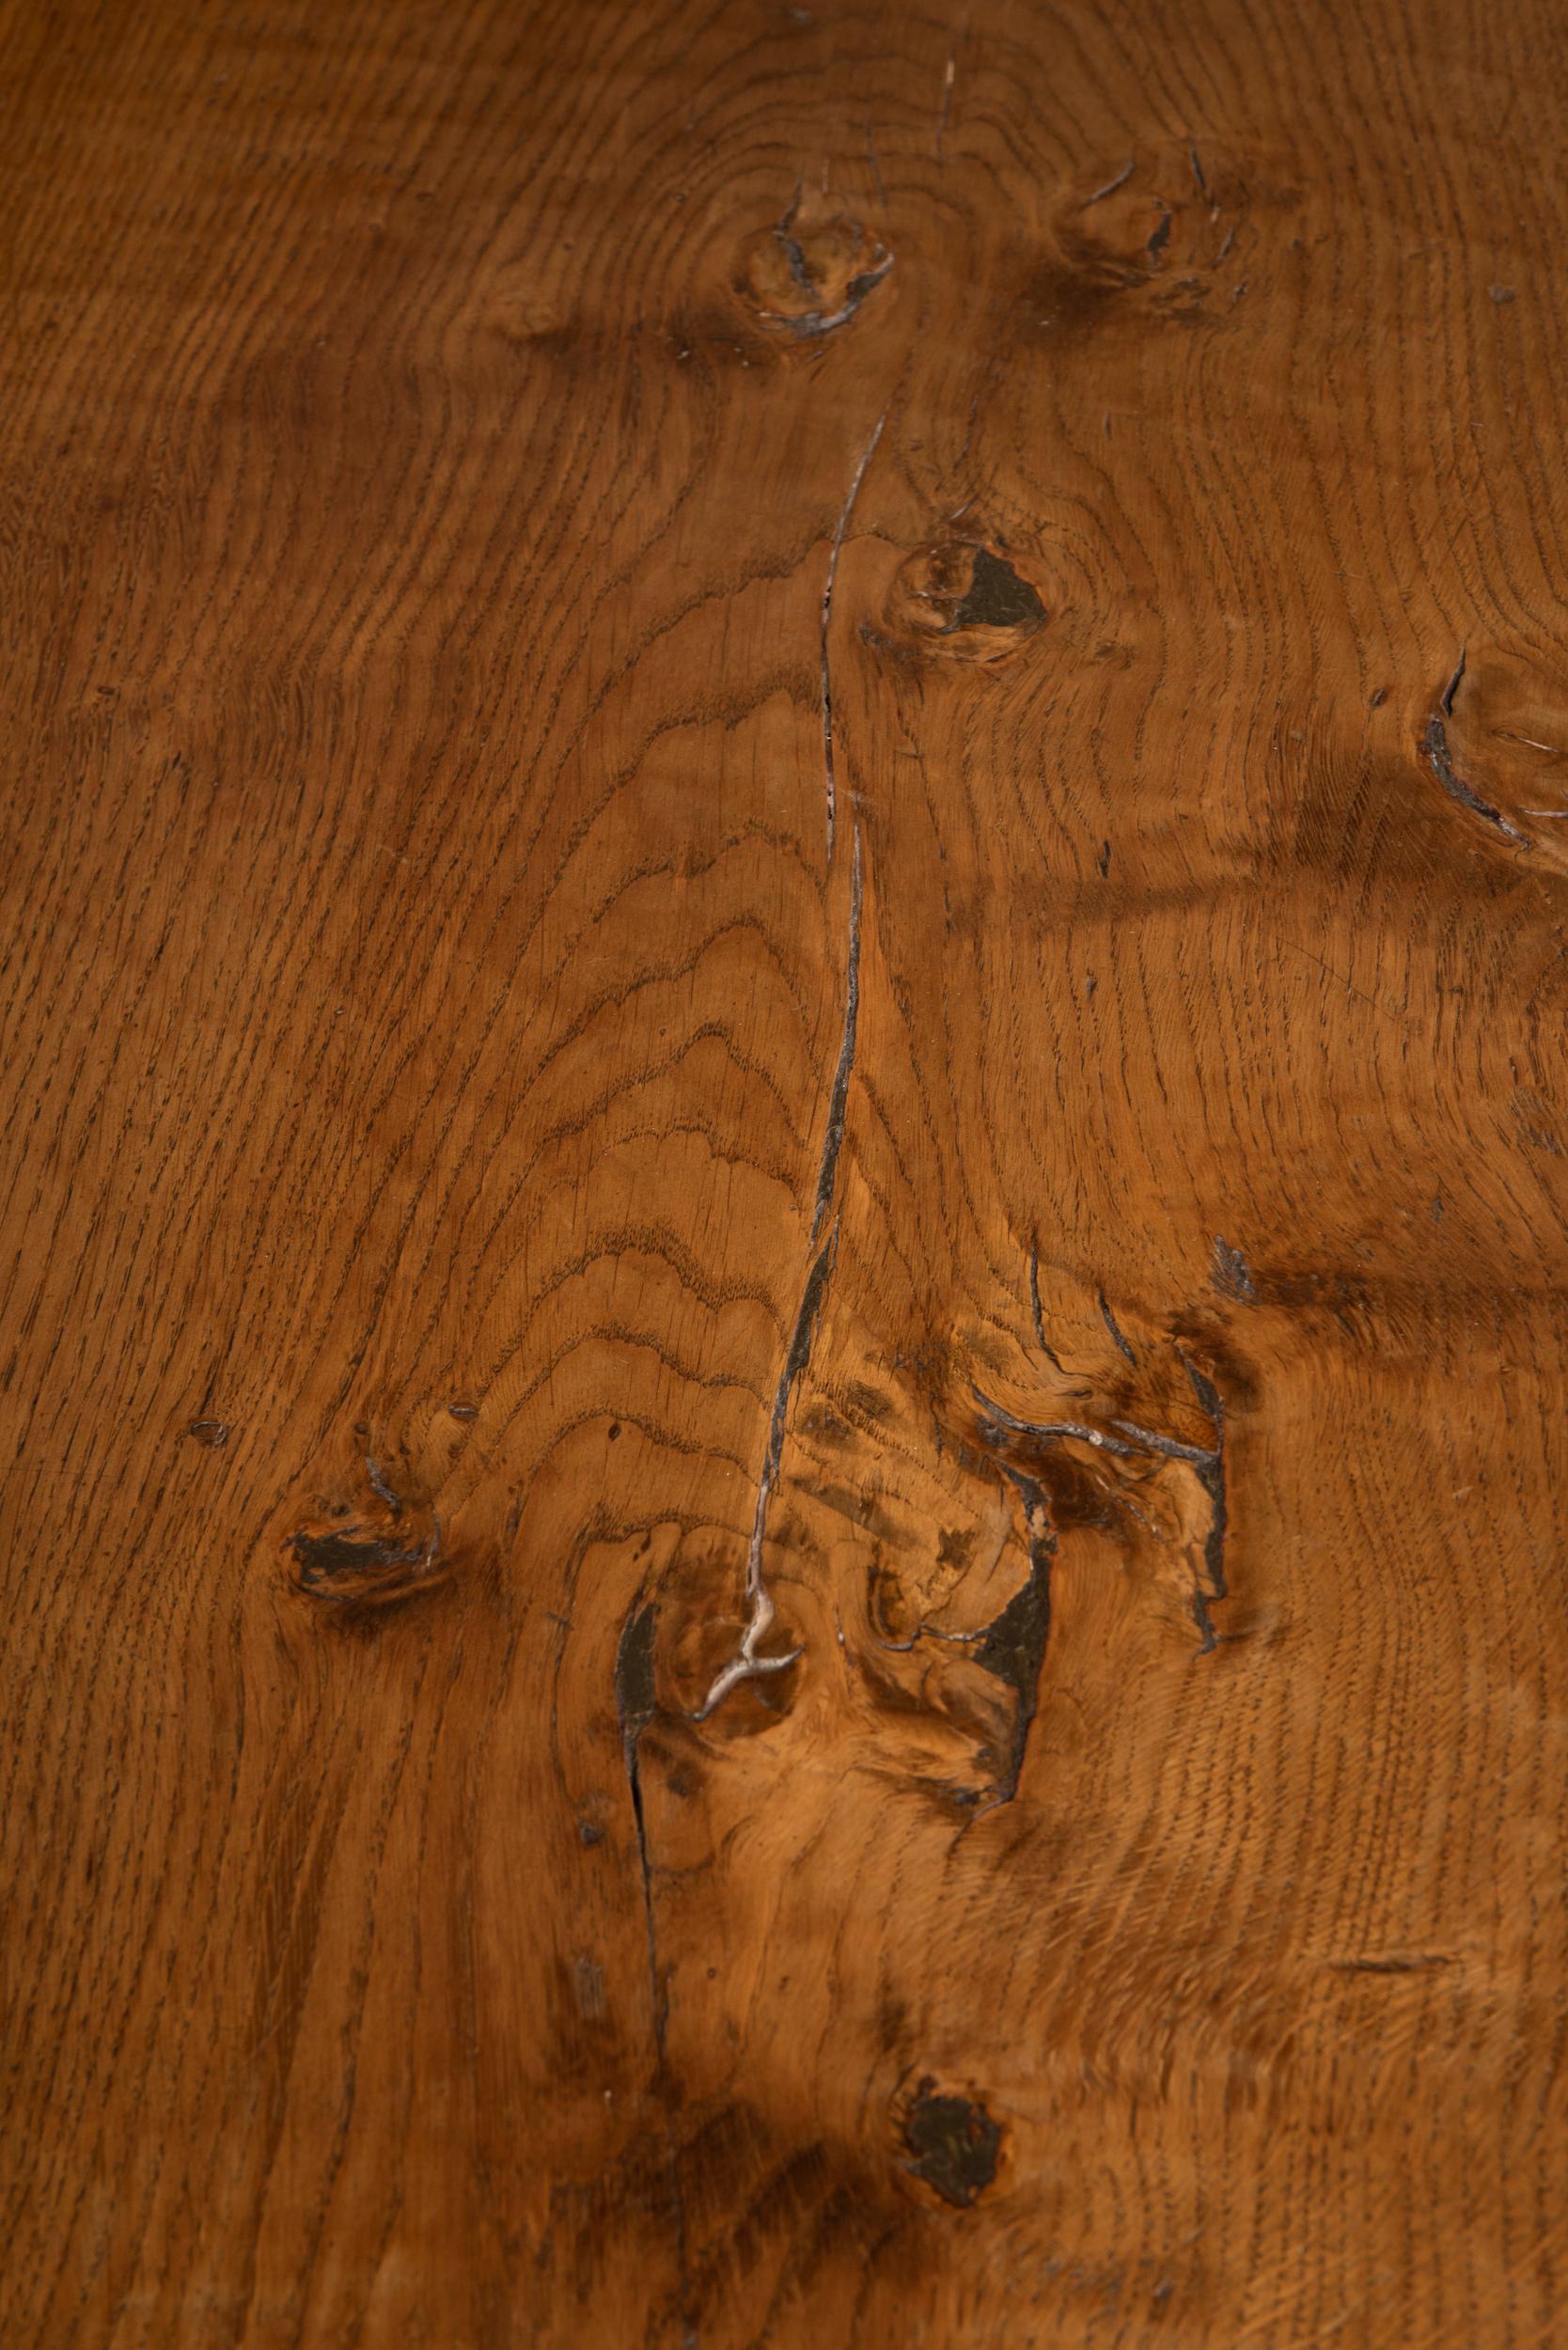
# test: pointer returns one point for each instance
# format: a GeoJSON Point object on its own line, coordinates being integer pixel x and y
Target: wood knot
{"type": "Point", "coordinates": [964, 600]}
{"type": "Point", "coordinates": [1154, 237]}
{"type": "Point", "coordinates": [728, 1660]}
{"type": "Point", "coordinates": [1494, 740]}
{"type": "Point", "coordinates": [952, 2144]}
{"type": "Point", "coordinates": [805, 278]}
{"type": "Point", "coordinates": [369, 1551]}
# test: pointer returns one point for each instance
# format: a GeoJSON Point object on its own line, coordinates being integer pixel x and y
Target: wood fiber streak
{"type": "Point", "coordinates": [785, 1147]}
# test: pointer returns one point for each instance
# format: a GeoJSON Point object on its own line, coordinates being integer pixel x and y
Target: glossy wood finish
{"type": "Point", "coordinates": [784, 877]}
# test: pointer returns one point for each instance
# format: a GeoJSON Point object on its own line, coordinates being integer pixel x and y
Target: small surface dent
{"type": "Point", "coordinates": [1231, 1275]}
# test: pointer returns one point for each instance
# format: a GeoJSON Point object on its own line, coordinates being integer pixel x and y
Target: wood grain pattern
{"type": "Point", "coordinates": [786, 900]}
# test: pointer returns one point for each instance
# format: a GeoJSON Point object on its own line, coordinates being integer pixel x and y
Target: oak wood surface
{"type": "Point", "coordinates": [783, 1184]}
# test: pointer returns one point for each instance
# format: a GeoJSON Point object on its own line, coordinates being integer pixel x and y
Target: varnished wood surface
{"type": "Point", "coordinates": [784, 877]}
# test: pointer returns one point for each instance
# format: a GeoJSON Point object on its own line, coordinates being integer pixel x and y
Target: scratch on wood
{"type": "Point", "coordinates": [1394, 1963]}
{"type": "Point", "coordinates": [1294, 947]}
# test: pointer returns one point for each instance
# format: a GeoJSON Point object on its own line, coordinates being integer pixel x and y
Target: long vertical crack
{"type": "Point", "coordinates": [635, 1706]}
{"type": "Point", "coordinates": [827, 1172]}
{"type": "Point", "coordinates": [1041, 1340]}
{"type": "Point", "coordinates": [746, 1664]}
{"type": "Point", "coordinates": [848, 509]}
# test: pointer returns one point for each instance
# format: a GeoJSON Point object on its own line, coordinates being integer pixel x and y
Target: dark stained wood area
{"type": "Point", "coordinates": [783, 1166]}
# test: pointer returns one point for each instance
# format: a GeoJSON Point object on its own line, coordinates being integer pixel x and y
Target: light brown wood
{"type": "Point", "coordinates": [785, 800]}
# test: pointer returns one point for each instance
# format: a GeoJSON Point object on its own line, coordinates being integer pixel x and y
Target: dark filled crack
{"type": "Point", "coordinates": [789, 245]}
{"type": "Point", "coordinates": [1203, 1389]}
{"type": "Point", "coordinates": [1118, 1336]}
{"type": "Point", "coordinates": [746, 1664]}
{"type": "Point", "coordinates": [1014, 1645]}
{"type": "Point", "coordinates": [635, 1705]}
{"type": "Point", "coordinates": [1445, 701]}
{"type": "Point", "coordinates": [1456, 788]}
{"type": "Point", "coordinates": [1041, 1340]}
